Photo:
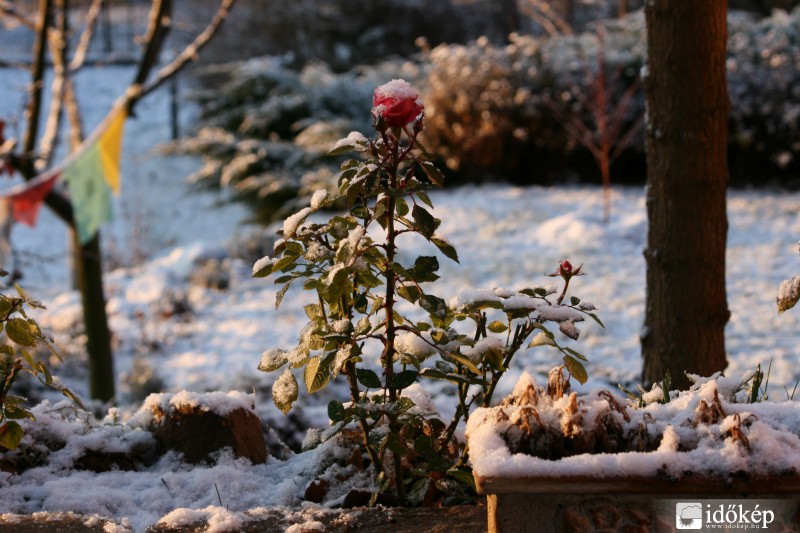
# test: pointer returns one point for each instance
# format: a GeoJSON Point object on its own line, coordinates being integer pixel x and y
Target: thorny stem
{"type": "Point", "coordinates": [564, 291]}
{"type": "Point", "coordinates": [520, 334]}
{"type": "Point", "coordinates": [355, 394]}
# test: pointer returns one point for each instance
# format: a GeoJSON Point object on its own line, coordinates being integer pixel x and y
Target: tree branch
{"type": "Point", "coordinates": [190, 52]}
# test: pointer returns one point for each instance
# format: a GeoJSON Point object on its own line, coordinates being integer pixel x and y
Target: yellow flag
{"type": "Point", "coordinates": [110, 144]}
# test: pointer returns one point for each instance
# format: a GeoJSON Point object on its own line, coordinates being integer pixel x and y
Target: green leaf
{"type": "Point", "coordinates": [10, 435]}
{"type": "Point", "coordinates": [446, 248]}
{"type": "Point", "coordinates": [15, 412]}
{"type": "Point", "coordinates": [576, 369]}
{"type": "Point", "coordinates": [577, 354]}
{"type": "Point", "coordinates": [395, 443]}
{"type": "Point", "coordinates": [363, 326]}
{"type": "Point", "coordinates": [422, 195]}
{"type": "Point", "coordinates": [339, 284]}
{"type": "Point", "coordinates": [435, 306]}
{"type": "Point", "coordinates": [543, 338]}
{"type": "Point", "coordinates": [425, 268]}
{"type": "Point", "coordinates": [497, 326]}
{"type": "Point", "coordinates": [423, 445]}
{"type": "Point", "coordinates": [313, 311]}
{"type": "Point", "coordinates": [594, 317]}
{"type": "Point", "coordinates": [317, 374]}
{"type": "Point", "coordinates": [402, 405]}
{"type": "Point", "coordinates": [424, 222]}
{"type": "Point", "coordinates": [368, 378]}
{"type": "Point", "coordinates": [462, 476]}
{"type": "Point", "coordinates": [438, 374]}
{"type": "Point", "coordinates": [574, 300]}
{"type": "Point", "coordinates": [19, 331]}
{"type": "Point", "coordinates": [5, 305]}
{"type": "Point", "coordinates": [440, 337]}
{"type": "Point", "coordinates": [433, 173]}
{"type": "Point", "coordinates": [285, 263]}
{"type": "Point", "coordinates": [403, 379]}
{"type": "Point", "coordinates": [341, 149]}
{"type": "Point", "coordinates": [281, 293]}
{"type": "Point", "coordinates": [465, 361]}
{"type": "Point", "coordinates": [420, 487]}
{"type": "Point", "coordinates": [409, 292]}
{"type": "Point", "coordinates": [401, 207]}
{"type": "Point", "coordinates": [336, 411]}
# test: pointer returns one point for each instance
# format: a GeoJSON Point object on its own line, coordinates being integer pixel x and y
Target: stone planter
{"type": "Point", "coordinates": [632, 504]}
{"type": "Point", "coordinates": [703, 459]}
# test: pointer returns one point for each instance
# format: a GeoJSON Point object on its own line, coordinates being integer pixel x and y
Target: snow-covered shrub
{"type": "Point", "coordinates": [267, 129]}
{"type": "Point", "coordinates": [764, 88]}
{"type": "Point", "coordinates": [372, 309]}
{"type": "Point", "coordinates": [497, 97]}
{"type": "Point", "coordinates": [18, 356]}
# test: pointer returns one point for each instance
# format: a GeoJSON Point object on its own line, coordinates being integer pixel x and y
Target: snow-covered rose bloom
{"type": "Point", "coordinates": [397, 103]}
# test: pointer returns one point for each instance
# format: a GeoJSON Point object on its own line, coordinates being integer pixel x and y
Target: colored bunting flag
{"type": "Point", "coordinates": [90, 194]}
{"type": "Point", "coordinates": [92, 175]}
{"type": "Point", "coordinates": [111, 148]}
{"type": "Point", "coordinates": [25, 204]}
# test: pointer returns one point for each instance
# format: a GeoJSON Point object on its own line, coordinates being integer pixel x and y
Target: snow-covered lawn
{"type": "Point", "coordinates": [506, 237]}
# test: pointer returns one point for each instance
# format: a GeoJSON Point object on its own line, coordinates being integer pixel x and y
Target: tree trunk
{"type": "Point", "coordinates": [687, 175]}
{"type": "Point", "coordinates": [89, 274]}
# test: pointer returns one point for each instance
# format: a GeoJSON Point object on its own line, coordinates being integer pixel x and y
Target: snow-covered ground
{"type": "Point", "coordinates": [506, 237]}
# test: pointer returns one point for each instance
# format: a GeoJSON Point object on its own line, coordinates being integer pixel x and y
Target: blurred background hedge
{"type": "Point", "coordinates": [501, 82]}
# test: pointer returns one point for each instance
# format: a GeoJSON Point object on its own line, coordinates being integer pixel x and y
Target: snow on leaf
{"type": "Point", "coordinates": [569, 329]}
{"type": "Point", "coordinates": [284, 391]}
{"type": "Point", "coordinates": [291, 224]}
{"type": "Point", "coordinates": [272, 360]}
{"type": "Point", "coordinates": [318, 198]}
{"type": "Point", "coordinates": [788, 294]}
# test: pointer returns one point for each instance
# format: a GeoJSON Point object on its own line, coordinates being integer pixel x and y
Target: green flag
{"type": "Point", "coordinates": [90, 193]}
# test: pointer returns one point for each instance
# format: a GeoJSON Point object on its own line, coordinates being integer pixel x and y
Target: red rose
{"type": "Point", "coordinates": [565, 268]}
{"type": "Point", "coordinates": [397, 103]}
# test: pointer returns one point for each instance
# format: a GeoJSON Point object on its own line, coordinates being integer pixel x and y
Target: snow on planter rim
{"type": "Point", "coordinates": [773, 435]}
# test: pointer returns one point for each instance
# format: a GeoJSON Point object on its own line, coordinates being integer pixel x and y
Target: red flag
{"type": "Point", "coordinates": [25, 204]}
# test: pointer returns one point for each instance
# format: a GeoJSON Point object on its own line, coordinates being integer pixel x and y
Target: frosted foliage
{"type": "Point", "coordinates": [788, 293]}
{"type": "Point", "coordinates": [262, 263]}
{"type": "Point", "coordinates": [355, 138]}
{"type": "Point", "coordinates": [318, 198]}
{"type": "Point", "coordinates": [272, 359]}
{"type": "Point", "coordinates": [472, 297]}
{"type": "Point", "coordinates": [291, 224]}
{"type": "Point", "coordinates": [559, 313]}
{"type": "Point", "coordinates": [340, 326]}
{"type": "Point", "coordinates": [285, 389]}
{"type": "Point", "coordinates": [317, 251]}
{"type": "Point", "coordinates": [482, 347]}
{"type": "Point", "coordinates": [412, 344]}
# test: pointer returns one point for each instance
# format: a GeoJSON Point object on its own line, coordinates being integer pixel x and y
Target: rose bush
{"type": "Point", "coordinates": [377, 323]}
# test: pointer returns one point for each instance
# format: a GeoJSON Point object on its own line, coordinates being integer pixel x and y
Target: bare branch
{"type": "Point", "coordinates": [158, 27]}
{"type": "Point", "coordinates": [8, 9]}
{"type": "Point", "coordinates": [190, 52]}
{"type": "Point", "coordinates": [57, 41]}
{"type": "Point", "coordinates": [86, 37]}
